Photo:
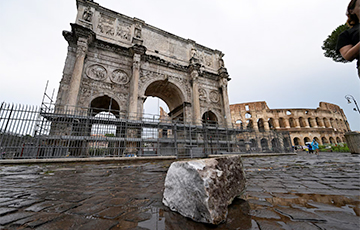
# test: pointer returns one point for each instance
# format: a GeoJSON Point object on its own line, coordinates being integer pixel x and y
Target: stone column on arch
{"type": "Point", "coordinates": [194, 76]}
{"type": "Point", "coordinates": [133, 112]}
{"type": "Point", "coordinates": [135, 102]}
{"type": "Point", "coordinates": [75, 81]}
{"type": "Point", "coordinates": [223, 81]}
{"type": "Point", "coordinates": [82, 37]}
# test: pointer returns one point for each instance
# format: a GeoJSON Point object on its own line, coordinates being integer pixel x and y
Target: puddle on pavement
{"type": "Point", "coordinates": [254, 211]}
{"type": "Point", "coordinates": [163, 218]}
{"type": "Point", "coordinates": [157, 220]}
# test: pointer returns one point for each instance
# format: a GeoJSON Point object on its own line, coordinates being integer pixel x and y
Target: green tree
{"type": "Point", "coordinates": [330, 44]}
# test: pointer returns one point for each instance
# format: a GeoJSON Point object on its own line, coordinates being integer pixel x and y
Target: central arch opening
{"type": "Point", "coordinates": [164, 102]}
{"type": "Point", "coordinates": [171, 95]}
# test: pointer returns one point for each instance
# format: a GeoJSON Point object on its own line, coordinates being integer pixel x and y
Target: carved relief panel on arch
{"type": "Point", "coordinates": [214, 96]}
{"type": "Point", "coordinates": [123, 30]}
{"type": "Point", "coordinates": [116, 28]}
{"type": "Point", "coordinates": [201, 57]}
{"type": "Point", "coordinates": [101, 73]}
{"type": "Point", "coordinates": [106, 25]}
{"type": "Point", "coordinates": [202, 94]}
{"type": "Point", "coordinates": [96, 72]}
{"type": "Point", "coordinates": [119, 77]}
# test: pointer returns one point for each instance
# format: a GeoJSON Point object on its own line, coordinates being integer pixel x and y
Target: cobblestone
{"type": "Point", "coordinates": [283, 192]}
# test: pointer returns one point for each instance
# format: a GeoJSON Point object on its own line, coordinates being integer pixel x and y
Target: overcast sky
{"type": "Point", "coordinates": [272, 48]}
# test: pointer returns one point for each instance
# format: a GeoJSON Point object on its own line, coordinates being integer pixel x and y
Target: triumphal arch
{"type": "Point", "coordinates": [115, 61]}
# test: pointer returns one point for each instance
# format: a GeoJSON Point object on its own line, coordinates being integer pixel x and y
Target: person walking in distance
{"type": "Point", "coordinates": [315, 146]}
{"type": "Point", "coordinates": [310, 149]}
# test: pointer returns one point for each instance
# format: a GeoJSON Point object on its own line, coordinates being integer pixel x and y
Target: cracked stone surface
{"type": "Point", "coordinates": [203, 189]}
{"type": "Point", "coordinates": [129, 196]}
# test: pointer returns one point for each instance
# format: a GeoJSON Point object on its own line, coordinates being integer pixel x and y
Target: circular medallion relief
{"type": "Point", "coordinates": [214, 96]}
{"type": "Point", "coordinates": [202, 94]}
{"type": "Point", "coordinates": [96, 72]}
{"type": "Point", "coordinates": [119, 77]}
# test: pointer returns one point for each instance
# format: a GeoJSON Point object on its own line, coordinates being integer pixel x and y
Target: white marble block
{"type": "Point", "coordinates": [203, 189]}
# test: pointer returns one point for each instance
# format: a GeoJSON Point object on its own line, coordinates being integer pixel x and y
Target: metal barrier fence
{"type": "Point", "coordinates": [55, 132]}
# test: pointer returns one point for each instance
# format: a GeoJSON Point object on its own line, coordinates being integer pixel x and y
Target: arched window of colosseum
{"type": "Point", "coordinates": [292, 122]}
{"type": "Point", "coordinates": [249, 125]}
{"type": "Point", "coordinates": [318, 122]}
{"type": "Point", "coordinates": [306, 112]}
{"type": "Point", "coordinates": [338, 140]}
{"type": "Point", "coordinates": [282, 122]}
{"type": "Point", "coordinates": [288, 112]}
{"type": "Point", "coordinates": [253, 143]}
{"type": "Point", "coordinates": [311, 124]}
{"type": "Point", "coordinates": [324, 140]}
{"type": "Point", "coordinates": [296, 141]}
{"type": "Point", "coordinates": [344, 140]}
{"type": "Point", "coordinates": [239, 124]}
{"type": "Point", "coordinates": [247, 107]}
{"type": "Point", "coordinates": [247, 115]}
{"type": "Point", "coordinates": [261, 125]}
{"type": "Point", "coordinates": [271, 124]}
{"type": "Point", "coordinates": [341, 124]}
{"type": "Point", "coordinates": [264, 144]}
{"type": "Point", "coordinates": [326, 123]}
{"type": "Point", "coordinates": [318, 140]}
{"type": "Point", "coordinates": [307, 139]}
{"type": "Point", "coordinates": [332, 141]}
{"type": "Point", "coordinates": [302, 122]}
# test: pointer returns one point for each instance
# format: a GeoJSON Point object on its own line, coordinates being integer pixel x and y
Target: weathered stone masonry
{"type": "Point", "coordinates": [117, 61]}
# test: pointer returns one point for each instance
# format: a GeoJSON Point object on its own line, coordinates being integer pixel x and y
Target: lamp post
{"type": "Point", "coordinates": [349, 98]}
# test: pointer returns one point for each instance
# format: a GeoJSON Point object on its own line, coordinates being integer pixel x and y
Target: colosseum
{"type": "Point", "coordinates": [327, 123]}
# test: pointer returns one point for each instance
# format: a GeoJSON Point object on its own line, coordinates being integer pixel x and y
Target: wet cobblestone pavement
{"type": "Point", "coordinates": [284, 192]}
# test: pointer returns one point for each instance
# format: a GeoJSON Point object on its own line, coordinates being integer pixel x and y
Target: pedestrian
{"type": "Point", "coordinates": [310, 148]}
{"type": "Point", "coordinates": [348, 41]}
{"type": "Point", "coordinates": [315, 146]}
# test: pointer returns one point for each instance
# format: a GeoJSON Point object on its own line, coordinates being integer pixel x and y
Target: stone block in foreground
{"type": "Point", "coordinates": [203, 189]}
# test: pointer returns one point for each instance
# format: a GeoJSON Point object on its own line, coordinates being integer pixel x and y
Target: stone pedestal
{"type": "Point", "coordinates": [203, 189]}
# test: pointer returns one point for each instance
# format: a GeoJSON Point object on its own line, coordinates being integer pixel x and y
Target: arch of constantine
{"type": "Point", "coordinates": [327, 123]}
{"type": "Point", "coordinates": [115, 62]}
